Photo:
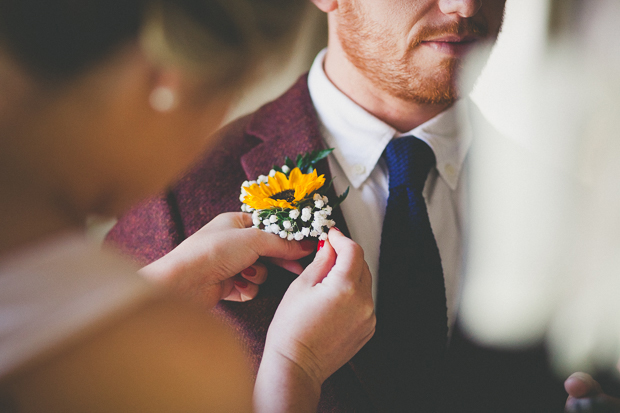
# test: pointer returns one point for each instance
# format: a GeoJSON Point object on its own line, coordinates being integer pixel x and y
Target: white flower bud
{"type": "Point", "coordinates": [316, 197]}
{"type": "Point", "coordinates": [328, 210]}
{"type": "Point", "coordinates": [242, 197]}
{"type": "Point", "coordinates": [272, 173]}
{"type": "Point", "coordinates": [320, 214]}
{"type": "Point", "coordinates": [314, 233]}
{"type": "Point", "coordinates": [245, 184]}
{"type": "Point", "coordinates": [266, 223]}
{"type": "Point", "coordinates": [287, 224]}
{"type": "Point", "coordinates": [294, 214]}
{"type": "Point", "coordinates": [299, 236]}
{"type": "Point", "coordinates": [255, 215]}
{"type": "Point", "coordinates": [285, 169]}
{"type": "Point", "coordinates": [305, 231]}
{"type": "Point", "coordinates": [323, 236]}
{"type": "Point", "coordinates": [319, 203]}
{"type": "Point", "coordinates": [248, 208]}
{"type": "Point", "coordinates": [325, 200]}
{"type": "Point", "coordinates": [330, 223]}
{"type": "Point", "coordinates": [275, 228]}
{"type": "Point", "coordinates": [256, 221]}
{"type": "Point", "coordinates": [273, 219]}
{"type": "Point", "coordinates": [283, 234]}
{"type": "Point", "coordinates": [290, 236]}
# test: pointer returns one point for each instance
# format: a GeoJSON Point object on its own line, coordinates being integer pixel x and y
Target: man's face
{"type": "Point", "coordinates": [412, 49]}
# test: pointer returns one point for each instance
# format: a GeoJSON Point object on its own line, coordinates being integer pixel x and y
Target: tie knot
{"type": "Point", "coordinates": [408, 160]}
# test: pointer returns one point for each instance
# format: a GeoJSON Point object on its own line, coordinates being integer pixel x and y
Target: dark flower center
{"type": "Point", "coordinates": [288, 195]}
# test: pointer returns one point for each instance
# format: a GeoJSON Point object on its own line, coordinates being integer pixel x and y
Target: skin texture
{"type": "Point", "coordinates": [378, 53]}
{"type": "Point", "coordinates": [586, 395]}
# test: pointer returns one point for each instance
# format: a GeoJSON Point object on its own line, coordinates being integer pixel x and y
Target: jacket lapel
{"type": "Point", "coordinates": [287, 127]}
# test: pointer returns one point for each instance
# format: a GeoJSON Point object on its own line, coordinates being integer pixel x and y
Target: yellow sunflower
{"type": "Point", "coordinates": [281, 191]}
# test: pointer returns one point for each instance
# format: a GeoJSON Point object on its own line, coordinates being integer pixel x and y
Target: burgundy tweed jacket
{"type": "Point", "coordinates": [475, 380]}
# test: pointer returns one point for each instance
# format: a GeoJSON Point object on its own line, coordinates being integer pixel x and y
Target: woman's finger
{"type": "Point", "coordinates": [271, 245]}
{"type": "Point", "coordinates": [350, 256]}
{"type": "Point", "coordinates": [255, 273]}
{"type": "Point", "coordinates": [242, 289]}
{"type": "Point", "coordinates": [290, 265]}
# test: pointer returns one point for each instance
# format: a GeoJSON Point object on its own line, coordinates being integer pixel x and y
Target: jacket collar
{"type": "Point", "coordinates": [287, 126]}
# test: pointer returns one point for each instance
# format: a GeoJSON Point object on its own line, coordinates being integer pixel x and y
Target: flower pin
{"type": "Point", "coordinates": [291, 200]}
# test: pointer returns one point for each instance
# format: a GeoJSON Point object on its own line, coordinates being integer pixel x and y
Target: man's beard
{"type": "Point", "coordinates": [374, 52]}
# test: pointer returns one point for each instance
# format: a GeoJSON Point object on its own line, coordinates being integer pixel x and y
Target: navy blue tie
{"type": "Point", "coordinates": [411, 297]}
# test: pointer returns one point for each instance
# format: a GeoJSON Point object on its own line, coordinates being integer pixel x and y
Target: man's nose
{"type": "Point", "coordinates": [464, 8]}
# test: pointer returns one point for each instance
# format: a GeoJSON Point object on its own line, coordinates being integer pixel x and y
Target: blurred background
{"type": "Point", "coordinates": [544, 239]}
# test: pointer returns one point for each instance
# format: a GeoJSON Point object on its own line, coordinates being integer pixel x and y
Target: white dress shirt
{"type": "Point", "coordinates": [359, 139]}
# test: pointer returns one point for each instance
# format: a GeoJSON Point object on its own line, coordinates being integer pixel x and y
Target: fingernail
{"type": "Point", "coordinates": [336, 228]}
{"type": "Point", "coordinates": [249, 272]}
{"type": "Point", "coordinates": [320, 245]}
{"type": "Point", "coordinates": [307, 245]}
{"type": "Point", "coordinates": [241, 283]}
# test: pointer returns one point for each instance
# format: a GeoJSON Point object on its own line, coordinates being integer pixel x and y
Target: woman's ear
{"type": "Point", "coordinates": [326, 6]}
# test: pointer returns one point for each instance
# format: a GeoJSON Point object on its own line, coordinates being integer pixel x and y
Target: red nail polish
{"type": "Point", "coordinates": [336, 228]}
{"type": "Point", "coordinates": [320, 245]}
{"type": "Point", "coordinates": [249, 272]}
{"type": "Point", "coordinates": [241, 283]}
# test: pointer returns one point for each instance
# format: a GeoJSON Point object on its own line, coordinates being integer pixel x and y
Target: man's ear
{"type": "Point", "coordinates": [326, 5]}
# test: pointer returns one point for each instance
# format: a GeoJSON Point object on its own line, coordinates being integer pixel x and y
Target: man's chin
{"type": "Point", "coordinates": [428, 93]}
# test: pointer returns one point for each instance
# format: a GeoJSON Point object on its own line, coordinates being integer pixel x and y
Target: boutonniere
{"type": "Point", "coordinates": [291, 200]}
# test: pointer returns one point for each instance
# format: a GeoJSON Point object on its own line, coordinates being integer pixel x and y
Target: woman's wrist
{"type": "Point", "coordinates": [285, 385]}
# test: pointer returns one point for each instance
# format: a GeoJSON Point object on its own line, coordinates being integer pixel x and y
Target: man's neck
{"type": "Point", "coordinates": [401, 114]}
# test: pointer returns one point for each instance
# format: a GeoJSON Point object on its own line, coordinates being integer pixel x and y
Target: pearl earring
{"type": "Point", "coordinates": [162, 99]}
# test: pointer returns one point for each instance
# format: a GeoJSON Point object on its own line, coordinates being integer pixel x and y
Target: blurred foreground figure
{"type": "Point", "coordinates": [101, 104]}
{"type": "Point", "coordinates": [544, 262]}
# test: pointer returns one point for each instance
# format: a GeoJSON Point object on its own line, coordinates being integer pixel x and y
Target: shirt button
{"type": "Point", "coordinates": [450, 171]}
{"type": "Point", "coordinates": [359, 169]}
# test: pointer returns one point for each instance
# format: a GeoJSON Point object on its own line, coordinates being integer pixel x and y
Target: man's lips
{"type": "Point", "coordinates": [453, 45]}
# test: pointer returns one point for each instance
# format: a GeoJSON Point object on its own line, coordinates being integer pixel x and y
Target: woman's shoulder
{"type": "Point", "coordinates": [110, 343]}
{"type": "Point", "coordinates": [52, 290]}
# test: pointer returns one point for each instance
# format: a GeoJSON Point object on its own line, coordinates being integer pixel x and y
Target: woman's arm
{"type": "Point", "coordinates": [324, 319]}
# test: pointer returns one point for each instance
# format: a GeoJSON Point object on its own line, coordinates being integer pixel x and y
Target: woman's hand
{"type": "Point", "coordinates": [220, 260]}
{"type": "Point", "coordinates": [325, 317]}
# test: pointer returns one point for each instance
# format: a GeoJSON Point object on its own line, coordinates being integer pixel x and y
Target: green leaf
{"type": "Point", "coordinates": [320, 155]}
{"type": "Point", "coordinates": [340, 198]}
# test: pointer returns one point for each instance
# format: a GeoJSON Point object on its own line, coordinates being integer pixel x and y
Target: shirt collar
{"type": "Point", "coordinates": [359, 138]}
